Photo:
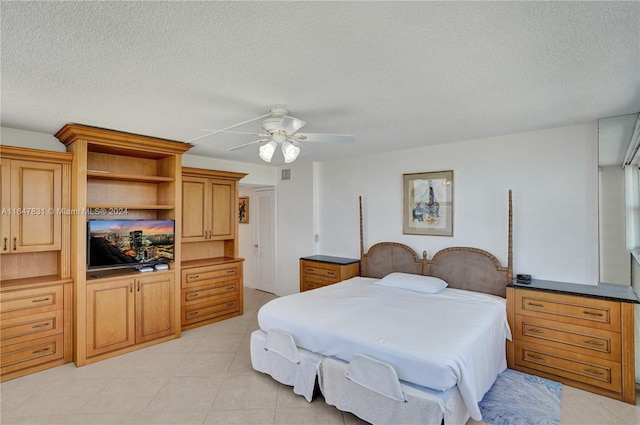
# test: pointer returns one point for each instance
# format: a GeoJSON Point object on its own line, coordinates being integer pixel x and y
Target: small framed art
{"type": "Point", "coordinates": [243, 209]}
{"type": "Point", "coordinates": [428, 203]}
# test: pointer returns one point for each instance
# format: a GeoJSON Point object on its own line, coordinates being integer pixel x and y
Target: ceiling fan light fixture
{"type": "Point", "coordinates": [267, 150]}
{"type": "Point", "coordinates": [290, 152]}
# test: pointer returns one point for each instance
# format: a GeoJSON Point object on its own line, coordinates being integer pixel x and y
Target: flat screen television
{"type": "Point", "coordinates": [129, 243]}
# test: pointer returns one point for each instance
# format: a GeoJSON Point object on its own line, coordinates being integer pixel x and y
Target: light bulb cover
{"type": "Point", "coordinates": [266, 151]}
{"type": "Point", "coordinates": [290, 152]}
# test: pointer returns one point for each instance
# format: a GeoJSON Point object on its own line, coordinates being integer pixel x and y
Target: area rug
{"type": "Point", "coordinates": [517, 398]}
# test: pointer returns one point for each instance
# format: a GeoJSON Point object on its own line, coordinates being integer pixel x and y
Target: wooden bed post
{"type": "Point", "coordinates": [510, 237]}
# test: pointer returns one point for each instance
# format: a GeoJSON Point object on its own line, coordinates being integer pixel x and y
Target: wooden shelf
{"type": "Point", "coordinates": [131, 206]}
{"type": "Point", "coordinates": [105, 175]}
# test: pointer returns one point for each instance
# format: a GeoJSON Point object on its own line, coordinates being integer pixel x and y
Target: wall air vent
{"type": "Point", "coordinates": [286, 174]}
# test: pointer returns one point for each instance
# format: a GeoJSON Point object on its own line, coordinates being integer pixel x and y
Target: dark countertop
{"type": "Point", "coordinates": [609, 291]}
{"type": "Point", "coordinates": [331, 260]}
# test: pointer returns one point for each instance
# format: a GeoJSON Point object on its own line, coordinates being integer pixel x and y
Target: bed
{"type": "Point", "coordinates": [410, 354]}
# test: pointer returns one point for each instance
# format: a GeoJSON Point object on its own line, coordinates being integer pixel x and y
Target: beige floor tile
{"type": "Point", "coordinates": [255, 391]}
{"type": "Point", "coordinates": [186, 393]}
{"type": "Point", "coordinates": [189, 417]}
{"type": "Point", "coordinates": [241, 417]}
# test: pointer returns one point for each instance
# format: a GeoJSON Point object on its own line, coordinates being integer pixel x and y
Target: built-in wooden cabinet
{"type": "Point", "coordinates": [129, 310]}
{"type": "Point", "coordinates": [122, 175]}
{"type": "Point", "coordinates": [35, 276]}
{"type": "Point", "coordinates": [212, 275]}
{"type": "Point", "coordinates": [580, 340]}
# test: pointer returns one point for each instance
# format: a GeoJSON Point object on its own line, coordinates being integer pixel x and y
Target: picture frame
{"type": "Point", "coordinates": [243, 209]}
{"type": "Point", "coordinates": [428, 203]}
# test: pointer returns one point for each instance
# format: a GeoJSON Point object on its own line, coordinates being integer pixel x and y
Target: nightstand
{"type": "Point", "coordinates": [580, 335]}
{"type": "Point", "coordinates": [317, 271]}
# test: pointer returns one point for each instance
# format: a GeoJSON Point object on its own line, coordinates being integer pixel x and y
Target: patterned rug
{"type": "Point", "coordinates": [520, 399]}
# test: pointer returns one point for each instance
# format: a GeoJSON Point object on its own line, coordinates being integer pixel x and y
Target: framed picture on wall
{"type": "Point", "coordinates": [428, 203]}
{"type": "Point", "coordinates": [243, 209]}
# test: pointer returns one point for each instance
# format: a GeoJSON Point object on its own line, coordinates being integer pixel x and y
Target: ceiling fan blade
{"type": "Point", "coordinates": [228, 128]}
{"type": "Point", "coordinates": [326, 138]}
{"type": "Point", "coordinates": [290, 124]}
{"type": "Point", "coordinates": [246, 144]}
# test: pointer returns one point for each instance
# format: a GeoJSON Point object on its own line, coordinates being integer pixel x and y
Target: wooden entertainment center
{"type": "Point", "coordinates": [54, 307]}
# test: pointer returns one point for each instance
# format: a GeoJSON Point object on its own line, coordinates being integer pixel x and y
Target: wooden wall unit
{"type": "Point", "coordinates": [36, 288]}
{"type": "Point", "coordinates": [581, 340]}
{"type": "Point", "coordinates": [212, 276]}
{"type": "Point", "coordinates": [122, 175]}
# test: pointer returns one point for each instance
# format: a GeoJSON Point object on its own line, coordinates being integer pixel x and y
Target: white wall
{"type": "Point", "coordinates": [615, 260]}
{"type": "Point", "coordinates": [553, 174]}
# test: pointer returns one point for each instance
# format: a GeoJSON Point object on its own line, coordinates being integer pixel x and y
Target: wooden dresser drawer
{"type": "Point", "coordinates": [205, 293]}
{"type": "Point", "coordinates": [591, 312]}
{"type": "Point", "coordinates": [200, 275]}
{"type": "Point", "coordinates": [30, 327]}
{"type": "Point", "coordinates": [589, 370]}
{"type": "Point", "coordinates": [31, 353]}
{"type": "Point", "coordinates": [579, 339]}
{"type": "Point", "coordinates": [31, 301]}
{"type": "Point", "coordinates": [206, 311]}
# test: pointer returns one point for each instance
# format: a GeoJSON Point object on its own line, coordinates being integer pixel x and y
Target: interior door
{"type": "Point", "coordinates": [264, 253]}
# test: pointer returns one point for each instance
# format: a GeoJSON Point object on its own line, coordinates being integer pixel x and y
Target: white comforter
{"type": "Point", "coordinates": [437, 341]}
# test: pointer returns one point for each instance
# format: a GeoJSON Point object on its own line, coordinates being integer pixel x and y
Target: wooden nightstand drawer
{"type": "Point", "coordinates": [597, 372]}
{"type": "Point", "coordinates": [31, 301]}
{"type": "Point", "coordinates": [591, 312]}
{"type": "Point", "coordinates": [201, 275]}
{"type": "Point", "coordinates": [326, 271]}
{"type": "Point", "coordinates": [31, 353]}
{"type": "Point", "coordinates": [34, 326]}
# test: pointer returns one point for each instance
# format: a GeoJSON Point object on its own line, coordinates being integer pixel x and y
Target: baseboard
{"type": "Point", "coordinates": [637, 386]}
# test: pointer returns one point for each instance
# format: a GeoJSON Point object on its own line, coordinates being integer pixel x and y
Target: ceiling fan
{"type": "Point", "coordinates": [280, 129]}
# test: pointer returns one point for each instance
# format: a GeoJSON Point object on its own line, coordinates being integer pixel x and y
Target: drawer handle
{"type": "Point", "coordinates": [4, 247]}
{"type": "Point", "coordinates": [535, 356]}
{"type": "Point", "coordinates": [192, 313]}
{"type": "Point", "coordinates": [41, 325]}
{"type": "Point", "coordinates": [538, 331]}
{"type": "Point", "coordinates": [595, 372]}
{"type": "Point", "coordinates": [588, 341]}
{"type": "Point", "coordinates": [535, 305]}
{"type": "Point", "coordinates": [195, 294]}
{"type": "Point", "coordinates": [230, 288]}
{"type": "Point", "coordinates": [591, 313]}
{"type": "Point", "coordinates": [15, 241]}
{"type": "Point", "coordinates": [231, 271]}
{"type": "Point", "coordinates": [231, 304]}
{"type": "Point", "coordinates": [42, 350]}
{"type": "Point", "coordinates": [40, 300]}
{"type": "Point", "coordinates": [195, 276]}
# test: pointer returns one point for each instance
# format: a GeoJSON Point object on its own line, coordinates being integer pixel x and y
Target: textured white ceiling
{"type": "Point", "coordinates": [397, 75]}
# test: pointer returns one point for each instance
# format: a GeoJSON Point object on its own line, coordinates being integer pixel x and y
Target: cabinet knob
{"type": "Point", "coordinates": [4, 247]}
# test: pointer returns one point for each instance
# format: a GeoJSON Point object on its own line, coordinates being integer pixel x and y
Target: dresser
{"type": "Point", "coordinates": [317, 271]}
{"type": "Point", "coordinates": [580, 335]}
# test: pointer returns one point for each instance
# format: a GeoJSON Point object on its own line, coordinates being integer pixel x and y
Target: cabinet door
{"type": "Point", "coordinates": [195, 198]}
{"type": "Point", "coordinates": [5, 204]}
{"type": "Point", "coordinates": [154, 307]}
{"type": "Point", "coordinates": [223, 209]}
{"type": "Point", "coordinates": [36, 192]}
{"type": "Point", "coordinates": [110, 316]}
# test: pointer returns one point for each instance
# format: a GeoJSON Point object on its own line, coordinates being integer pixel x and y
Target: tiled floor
{"type": "Point", "coordinates": [205, 377]}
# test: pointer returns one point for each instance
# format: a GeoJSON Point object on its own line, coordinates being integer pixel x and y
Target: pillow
{"type": "Point", "coordinates": [413, 282]}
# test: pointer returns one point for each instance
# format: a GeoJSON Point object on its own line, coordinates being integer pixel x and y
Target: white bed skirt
{"type": "Point", "coordinates": [300, 375]}
{"type": "Point", "coordinates": [421, 405]}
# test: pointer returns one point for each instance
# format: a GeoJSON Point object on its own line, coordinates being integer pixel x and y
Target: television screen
{"type": "Point", "coordinates": [122, 243]}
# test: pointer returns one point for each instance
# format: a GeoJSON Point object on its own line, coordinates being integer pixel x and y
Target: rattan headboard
{"type": "Point", "coordinates": [461, 267]}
